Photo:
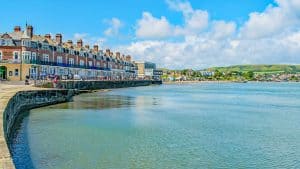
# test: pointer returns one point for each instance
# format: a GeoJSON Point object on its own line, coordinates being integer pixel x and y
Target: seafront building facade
{"type": "Point", "coordinates": [24, 55]}
{"type": "Point", "coordinates": [148, 70]}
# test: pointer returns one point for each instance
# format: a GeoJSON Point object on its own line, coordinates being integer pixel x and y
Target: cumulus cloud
{"type": "Point", "coordinates": [268, 37]}
{"type": "Point", "coordinates": [222, 29]}
{"type": "Point", "coordinates": [195, 20]}
{"type": "Point", "coordinates": [114, 25]}
{"type": "Point", "coordinates": [151, 27]}
{"type": "Point", "coordinates": [274, 20]}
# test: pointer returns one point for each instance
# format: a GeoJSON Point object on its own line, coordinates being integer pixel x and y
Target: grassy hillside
{"type": "Point", "coordinates": [259, 68]}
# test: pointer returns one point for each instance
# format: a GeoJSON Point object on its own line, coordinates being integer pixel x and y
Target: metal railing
{"type": "Point", "coordinates": [48, 63]}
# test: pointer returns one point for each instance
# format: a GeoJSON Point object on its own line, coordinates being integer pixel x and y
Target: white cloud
{"type": "Point", "coordinates": [151, 27]}
{"type": "Point", "coordinates": [114, 25]}
{"type": "Point", "coordinates": [222, 29]}
{"type": "Point", "coordinates": [195, 20]}
{"type": "Point", "coordinates": [88, 39]}
{"type": "Point", "coordinates": [274, 20]}
{"type": "Point", "coordinates": [268, 37]}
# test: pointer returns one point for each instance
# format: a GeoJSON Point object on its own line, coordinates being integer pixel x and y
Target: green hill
{"type": "Point", "coordinates": [259, 68]}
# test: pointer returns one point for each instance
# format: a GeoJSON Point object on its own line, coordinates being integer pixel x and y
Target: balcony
{"type": "Point", "coordinates": [48, 63]}
{"type": "Point", "coordinates": [10, 61]}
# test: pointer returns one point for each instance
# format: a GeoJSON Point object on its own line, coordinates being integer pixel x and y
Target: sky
{"type": "Point", "coordinates": [175, 34]}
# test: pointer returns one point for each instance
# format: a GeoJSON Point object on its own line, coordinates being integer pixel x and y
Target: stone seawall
{"type": "Point", "coordinates": [18, 101]}
{"type": "Point", "coordinates": [96, 85]}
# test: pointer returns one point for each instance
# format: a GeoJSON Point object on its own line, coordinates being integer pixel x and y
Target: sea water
{"type": "Point", "coordinates": [205, 125]}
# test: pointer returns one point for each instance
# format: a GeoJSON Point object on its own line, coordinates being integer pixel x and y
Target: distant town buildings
{"type": "Point", "coordinates": [148, 70]}
{"type": "Point", "coordinates": [24, 55]}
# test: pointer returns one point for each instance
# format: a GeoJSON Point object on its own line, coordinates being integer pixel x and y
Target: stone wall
{"type": "Point", "coordinates": [26, 100]}
{"type": "Point", "coordinates": [96, 85]}
{"type": "Point", "coordinates": [20, 102]}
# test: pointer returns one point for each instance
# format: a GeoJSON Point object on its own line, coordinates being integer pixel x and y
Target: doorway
{"type": "Point", "coordinates": [3, 73]}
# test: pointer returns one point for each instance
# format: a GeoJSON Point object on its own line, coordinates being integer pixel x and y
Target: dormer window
{"type": "Point", "coordinates": [45, 47]}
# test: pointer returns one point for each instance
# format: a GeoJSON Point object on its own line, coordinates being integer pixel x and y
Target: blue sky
{"type": "Point", "coordinates": [123, 25]}
{"type": "Point", "coordinates": [73, 16]}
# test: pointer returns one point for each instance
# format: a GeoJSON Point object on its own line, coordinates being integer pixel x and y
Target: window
{"type": "Point", "coordinates": [59, 59]}
{"type": "Point", "coordinates": [16, 72]}
{"type": "Point", "coordinates": [44, 70]}
{"type": "Point", "coordinates": [71, 61]}
{"type": "Point", "coordinates": [81, 63]}
{"type": "Point", "coordinates": [45, 57]}
{"type": "Point", "coordinates": [61, 71]}
{"type": "Point", "coordinates": [1, 55]}
{"type": "Point", "coordinates": [66, 71]}
{"type": "Point", "coordinates": [52, 70]}
{"type": "Point", "coordinates": [90, 63]}
{"type": "Point", "coordinates": [16, 55]}
{"type": "Point", "coordinates": [33, 56]}
{"type": "Point", "coordinates": [45, 47]}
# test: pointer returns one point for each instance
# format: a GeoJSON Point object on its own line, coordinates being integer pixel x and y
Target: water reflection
{"type": "Point", "coordinates": [97, 101]}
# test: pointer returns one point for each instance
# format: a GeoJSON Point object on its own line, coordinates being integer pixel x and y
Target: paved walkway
{"type": "Point", "coordinates": [6, 93]}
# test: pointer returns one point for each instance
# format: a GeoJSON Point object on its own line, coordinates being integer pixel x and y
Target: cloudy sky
{"type": "Point", "coordinates": [173, 33]}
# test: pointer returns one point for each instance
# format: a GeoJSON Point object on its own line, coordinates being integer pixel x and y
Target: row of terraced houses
{"type": "Point", "coordinates": [24, 55]}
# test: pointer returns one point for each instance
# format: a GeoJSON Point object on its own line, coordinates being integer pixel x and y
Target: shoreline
{"type": "Point", "coordinates": [14, 101]}
{"type": "Point", "coordinates": [223, 81]}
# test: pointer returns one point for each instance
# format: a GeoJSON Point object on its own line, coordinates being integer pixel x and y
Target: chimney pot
{"type": "Point", "coordinates": [96, 48]}
{"type": "Point", "coordinates": [70, 42]}
{"type": "Point", "coordinates": [128, 58]}
{"type": "Point", "coordinates": [29, 29]}
{"type": "Point", "coordinates": [58, 38]}
{"type": "Point", "coordinates": [17, 29]}
{"type": "Point", "coordinates": [48, 36]}
{"type": "Point", "coordinates": [79, 43]}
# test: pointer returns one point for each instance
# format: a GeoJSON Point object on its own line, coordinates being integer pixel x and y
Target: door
{"type": "Point", "coordinates": [3, 72]}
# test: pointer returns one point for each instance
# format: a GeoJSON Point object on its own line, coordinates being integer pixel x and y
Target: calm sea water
{"type": "Point", "coordinates": [253, 125]}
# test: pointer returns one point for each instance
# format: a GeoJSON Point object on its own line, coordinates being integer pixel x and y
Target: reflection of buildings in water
{"type": "Point", "coordinates": [101, 102]}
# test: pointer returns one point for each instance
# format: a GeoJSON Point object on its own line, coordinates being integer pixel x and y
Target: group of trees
{"type": "Point", "coordinates": [233, 75]}
{"type": "Point", "coordinates": [189, 74]}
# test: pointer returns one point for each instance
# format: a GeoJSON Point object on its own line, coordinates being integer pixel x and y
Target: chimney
{"type": "Point", "coordinates": [79, 43]}
{"type": "Point", "coordinates": [96, 48]}
{"type": "Point", "coordinates": [48, 36]}
{"type": "Point", "coordinates": [128, 58]}
{"type": "Point", "coordinates": [118, 55]}
{"type": "Point", "coordinates": [107, 52]}
{"type": "Point", "coordinates": [70, 42]}
{"type": "Point", "coordinates": [17, 29]}
{"type": "Point", "coordinates": [87, 46]}
{"type": "Point", "coordinates": [29, 30]}
{"type": "Point", "coordinates": [58, 38]}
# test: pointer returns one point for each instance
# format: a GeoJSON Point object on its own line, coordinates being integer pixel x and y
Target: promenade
{"type": "Point", "coordinates": [6, 93]}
